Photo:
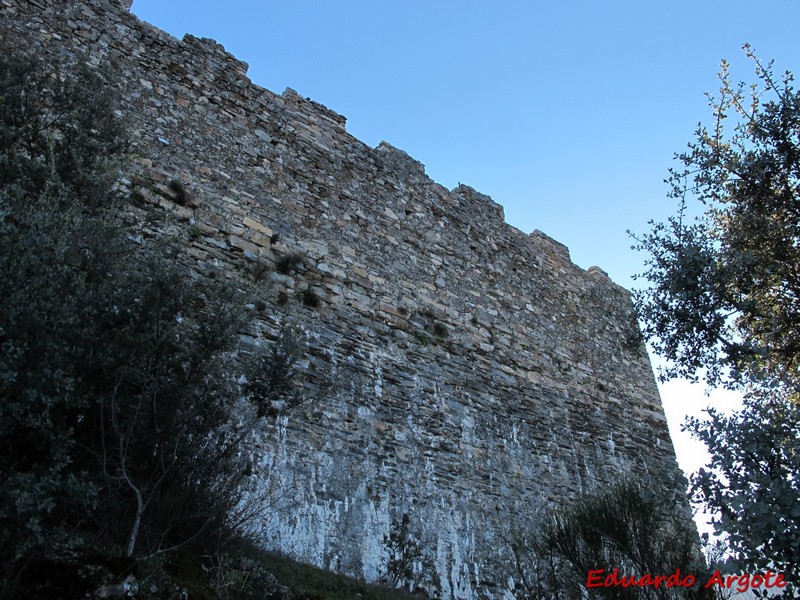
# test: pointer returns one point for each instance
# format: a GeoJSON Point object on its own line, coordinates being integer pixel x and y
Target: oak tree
{"type": "Point", "coordinates": [723, 303]}
{"type": "Point", "coordinates": [123, 411]}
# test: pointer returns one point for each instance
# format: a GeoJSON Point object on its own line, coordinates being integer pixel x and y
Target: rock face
{"type": "Point", "coordinates": [458, 370]}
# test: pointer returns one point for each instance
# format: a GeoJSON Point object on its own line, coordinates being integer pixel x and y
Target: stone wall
{"type": "Point", "coordinates": [459, 370]}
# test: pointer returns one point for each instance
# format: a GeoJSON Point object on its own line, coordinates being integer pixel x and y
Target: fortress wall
{"type": "Point", "coordinates": [458, 370]}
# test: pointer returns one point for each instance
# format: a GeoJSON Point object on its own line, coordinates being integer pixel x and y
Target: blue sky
{"type": "Point", "coordinates": [566, 113]}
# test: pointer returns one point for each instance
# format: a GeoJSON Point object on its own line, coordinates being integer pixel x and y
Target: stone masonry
{"type": "Point", "coordinates": [458, 370]}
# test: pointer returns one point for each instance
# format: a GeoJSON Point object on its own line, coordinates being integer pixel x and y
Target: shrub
{"type": "Point", "coordinates": [309, 298]}
{"type": "Point", "coordinates": [179, 194]}
{"type": "Point", "coordinates": [137, 197]}
{"type": "Point", "coordinates": [287, 263]}
{"type": "Point", "coordinates": [260, 271]}
{"type": "Point", "coordinates": [270, 376]}
{"type": "Point", "coordinates": [404, 551]}
{"type": "Point", "coordinates": [439, 329]}
{"type": "Point", "coordinates": [636, 527]}
{"type": "Point", "coordinates": [102, 420]}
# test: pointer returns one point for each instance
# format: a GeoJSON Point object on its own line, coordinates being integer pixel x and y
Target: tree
{"type": "Point", "coordinates": [753, 481]}
{"type": "Point", "coordinates": [724, 304]}
{"type": "Point", "coordinates": [404, 551]}
{"type": "Point", "coordinates": [124, 413]}
{"type": "Point", "coordinates": [725, 295]}
{"type": "Point", "coordinates": [47, 162]}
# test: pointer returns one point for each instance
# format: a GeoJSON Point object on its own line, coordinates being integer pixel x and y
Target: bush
{"type": "Point", "coordinates": [309, 298]}
{"type": "Point", "coordinates": [179, 194]}
{"type": "Point", "coordinates": [404, 551]}
{"type": "Point", "coordinates": [439, 329]}
{"type": "Point", "coordinates": [287, 263]}
{"type": "Point", "coordinates": [637, 528]}
{"type": "Point", "coordinates": [116, 368]}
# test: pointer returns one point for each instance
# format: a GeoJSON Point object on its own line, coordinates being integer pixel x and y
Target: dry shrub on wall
{"type": "Point", "coordinates": [634, 527]}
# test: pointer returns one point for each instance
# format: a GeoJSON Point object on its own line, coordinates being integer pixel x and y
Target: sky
{"type": "Point", "coordinates": [567, 113]}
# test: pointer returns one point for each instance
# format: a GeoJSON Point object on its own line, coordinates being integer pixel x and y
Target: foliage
{"type": "Point", "coordinates": [178, 190]}
{"type": "Point", "coordinates": [634, 527]}
{"type": "Point", "coordinates": [724, 303]}
{"type": "Point", "coordinates": [439, 329]}
{"type": "Point", "coordinates": [725, 287]}
{"type": "Point", "coordinates": [49, 256]}
{"type": "Point", "coordinates": [286, 263]}
{"type": "Point", "coordinates": [404, 551]}
{"type": "Point", "coordinates": [539, 571]}
{"type": "Point", "coordinates": [754, 482]}
{"type": "Point", "coordinates": [117, 370]}
{"type": "Point", "coordinates": [270, 376]}
{"type": "Point", "coordinates": [305, 581]}
{"type": "Point", "coordinates": [58, 134]}
{"type": "Point", "coordinates": [309, 298]}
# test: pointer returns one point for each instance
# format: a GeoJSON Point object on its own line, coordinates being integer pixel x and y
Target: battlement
{"type": "Point", "coordinates": [481, 378]}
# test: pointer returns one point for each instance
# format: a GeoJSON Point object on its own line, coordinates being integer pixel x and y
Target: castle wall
{"type": "Point", "coordinates": [459, 370]}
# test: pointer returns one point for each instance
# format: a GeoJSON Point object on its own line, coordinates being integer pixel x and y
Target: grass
{"type": "Point", "coordinates": [247, 572]}
{"type": "Point", "coordinates": [310, 583]}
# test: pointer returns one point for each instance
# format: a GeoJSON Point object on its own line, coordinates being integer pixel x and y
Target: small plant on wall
{"type": "Point", "coordinates": [260, 271]}
{"type": "Point", "coordinates": [439, 329]}
{"type": "Point", "coordinates": [179, 194]}
{"type": "Point", "coordinates": [137, 197]}
{"type": "Point", "coordinates": [309, 298]}
{"type": "Point", "coordinates": [287, 263]}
